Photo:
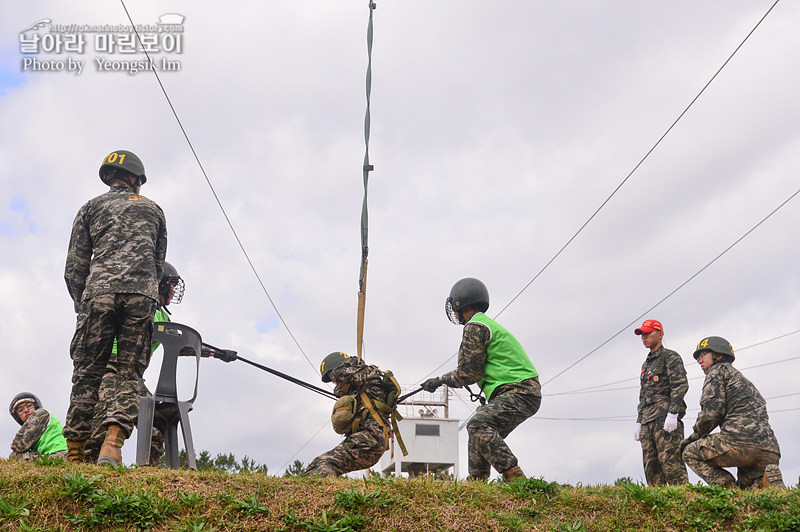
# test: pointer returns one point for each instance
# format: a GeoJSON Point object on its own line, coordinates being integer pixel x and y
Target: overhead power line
{"type": "Point", "coordinates": [687, 281]}
{"type": "Point", "coordinates": [603, 204]}
{"type": "Point", "coordinates": [213, 191]}
{"type": "Point", "coordinates": [627, 419]}
{"type": "Point", "coordinates": [602, 387]}
{"type": "Point", "coordinates": [646, 155]}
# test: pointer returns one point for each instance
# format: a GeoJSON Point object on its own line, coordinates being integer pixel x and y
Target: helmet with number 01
{"type": "Point", "coordinates": [715, 344]}
{"type": "Point", "coordinates": [22, 398]}
{"type": "Point", "coordinates": [466, 292]}
{"type": "Point", "coordinates": [329, 363]}
{"type": "Point", "coordinates": [123, 160]}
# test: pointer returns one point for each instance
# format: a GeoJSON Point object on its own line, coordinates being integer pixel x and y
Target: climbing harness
{"type": "Point", "coordinates": [367, 168]}
{"type": "Point", "coordinates": [389, 410]}
{"type": "Point", "coordinates": [347, 414]}
{"type": "Point", "coordinates": [476, 396]}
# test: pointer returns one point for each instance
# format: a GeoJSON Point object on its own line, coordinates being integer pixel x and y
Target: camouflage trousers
{"type": "Point", "coordinates": [660, 455]}
{"type": "Point", "coordinates": [359, 450]}
{"type": "Point", "coordinates": [106, 383]}
{"type": "Point", "coordinates": [491, 425]}
{"type": "Point", "coordinates": [98, 433]}
{"type": "Point", "coordinates": [31, 456]}
{"type": "Point", "coordinates": [709, 455]}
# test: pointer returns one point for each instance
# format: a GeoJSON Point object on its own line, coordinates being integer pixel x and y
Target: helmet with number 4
{"type": "Point", "coordinates": [329, 363]}
{"type": "Point", "coordinates": [123, 160]}
{"type": "Point", "coordinates": [466, 292]}
{"type": "Point", "coordinates": [715, 344]}
{"type": "Point", "coordinates": [22, 398]}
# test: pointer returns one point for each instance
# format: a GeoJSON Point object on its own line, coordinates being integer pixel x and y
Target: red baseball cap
{"type": "Point", "coordinates": [649, 326]}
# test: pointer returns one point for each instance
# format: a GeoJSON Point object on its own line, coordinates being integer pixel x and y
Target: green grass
{"type": "Point", "coordinates": [60, 496]}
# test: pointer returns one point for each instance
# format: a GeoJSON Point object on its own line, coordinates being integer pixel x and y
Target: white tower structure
{"type": "Point", "coordinates": [431, 440]}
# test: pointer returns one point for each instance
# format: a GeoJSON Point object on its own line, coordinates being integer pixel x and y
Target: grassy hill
{"type": "Point", "coordinates": [53, 495]}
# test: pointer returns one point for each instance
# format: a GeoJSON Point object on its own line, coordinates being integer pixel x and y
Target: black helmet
{"type": "Point", "coordinates": [170, 277]}
{"type": "Point", "coordinates": [715, 344]}
{"type": "Point", "coordinates": [466, 292]}
{"type": "Point", "coordinates": [329, 363]}
{"type": "Point", "coordinates": [124, 160]}
{"type": "Point", "coordinates": [21, 398]}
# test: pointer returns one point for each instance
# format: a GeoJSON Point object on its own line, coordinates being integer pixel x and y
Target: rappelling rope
{"type": "Point", "coordinates": [367, 168]}
{"type": "Point", "coordinates": [306, 385]}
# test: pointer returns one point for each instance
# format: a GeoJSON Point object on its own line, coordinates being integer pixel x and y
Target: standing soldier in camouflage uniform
{"type": "Point", "coordinates": [659, 425]}
{"type": "Point", "coordinates": [363, 426]}
{"type": "Point", "coordinates": [745, 439]}
{"type": "Point", "coordinates": [114, 262]}
{"type": "Point", "coordinates": [170, 291]}
{"type": "Point", "coordinates": [492, 357]}
{"type": "Point", "coordinates": [40, 433]}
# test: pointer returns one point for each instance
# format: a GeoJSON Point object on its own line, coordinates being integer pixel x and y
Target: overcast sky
{"type": "Point", "coordinates": [498, 129]}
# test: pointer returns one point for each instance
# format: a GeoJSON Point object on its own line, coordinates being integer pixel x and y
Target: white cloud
{"type": "Point", "coordinates": [496, 131]}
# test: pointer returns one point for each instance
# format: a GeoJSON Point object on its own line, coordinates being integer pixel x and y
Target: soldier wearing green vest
{"type": "Point", "coordinates": [40, 433]}
{"type": "Point", "coordinates": [490, 356]}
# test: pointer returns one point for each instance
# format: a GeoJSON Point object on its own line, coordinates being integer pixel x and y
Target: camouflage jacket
{"type": "Point", "coordinates": [663, 385]}
{"type": "Point", "coordinates": [30, 431]}
{"type": "Point", "coordinates": [118, 244]}
{"type": "Point", "coordinates": [351, 378]}
{"type": "Point", "coordinates": [471, 356]}
{"type": "Point", "coordinates": [732, 403]}
{"type": "Point", "coordinates": [472, 360]}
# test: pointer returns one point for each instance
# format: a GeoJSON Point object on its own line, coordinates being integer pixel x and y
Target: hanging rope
{"type": "Point", "coordinates": [362, 280]}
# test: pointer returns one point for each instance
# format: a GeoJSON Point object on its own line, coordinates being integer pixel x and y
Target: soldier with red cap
{"type": "Point", "coordinates": [659, 429]}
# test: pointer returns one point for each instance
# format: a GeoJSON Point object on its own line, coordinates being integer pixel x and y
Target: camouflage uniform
{"type": "Point", "coordinates": [663, 387]}
{"type": "Point", "coordinates": [509, 404]}
{"type": "Point", "coordinates": [98, 432]}
{"type": "Point", "coordinates": [363, 447]}
{"type": "Point", "coordinates": [745, 439]}
{"type": "Point", "coordinates": [115, 258]}
{"type": "Point", "coordinates": [23, 447]}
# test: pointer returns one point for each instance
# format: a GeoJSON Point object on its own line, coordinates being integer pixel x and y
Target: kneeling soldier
{"type": "Point", "coordinates": [745, 439]}
{"type": "Point", "coordinates": [360, 388]}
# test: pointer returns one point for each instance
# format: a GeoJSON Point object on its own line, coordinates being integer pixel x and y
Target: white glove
{"type": "Point", "coordinates": [671, 423]}
{"type": "Point", "coordinates": [637, 431]}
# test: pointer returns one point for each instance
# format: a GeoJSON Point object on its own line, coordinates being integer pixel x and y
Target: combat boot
{"type": "Point", "coordinates": [75, 451]}
{"type": "Point", "coordinates": [772, 477]}
{"type": "Point", "coordinates": [512, 473]}
{"type": "Point", "coordinates": [111, 451]}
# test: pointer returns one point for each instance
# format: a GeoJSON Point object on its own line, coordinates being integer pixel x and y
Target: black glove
{"type": "Point", "coordinates": [431, 385]}
{"type": "Point", "coordinates": [226, 355]}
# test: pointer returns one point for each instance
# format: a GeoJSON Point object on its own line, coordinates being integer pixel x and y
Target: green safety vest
{"type": "Point", "coordinates": [51, 440]}
{"type": "Point", "coordinates": [161, 315]}
{"type": "Point", "coordinates": [506, 361]}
